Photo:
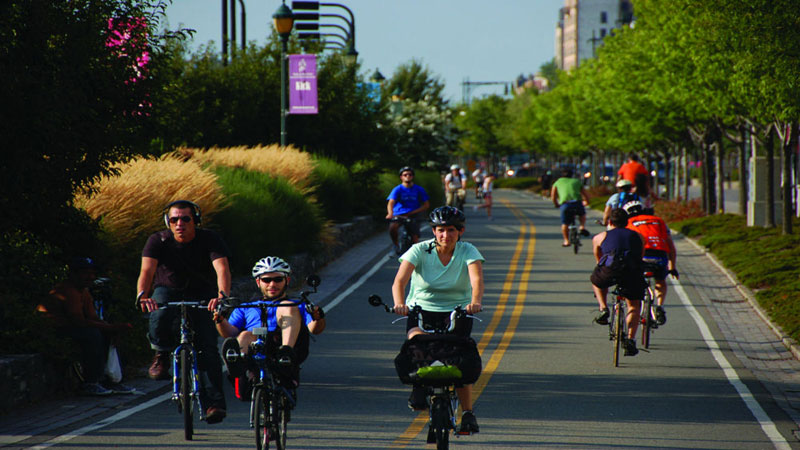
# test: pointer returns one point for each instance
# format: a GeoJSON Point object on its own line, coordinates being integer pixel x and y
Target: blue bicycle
{"type": "Point", "coordinates": [272, 398]}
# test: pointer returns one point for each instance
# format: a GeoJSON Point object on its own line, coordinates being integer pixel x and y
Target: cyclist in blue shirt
{"type": "Point", "coordinates": [407, 200]}
{"type": "Point", "coordinates": [289, 326]}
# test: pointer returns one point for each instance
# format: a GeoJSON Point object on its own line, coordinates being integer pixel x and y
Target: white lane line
{"type": "Point", "coordinates": [763, 419]}
{"type": "Point", "coordinates": [103, 423]}
{"type": "Point", "coordinates": [355, 285]}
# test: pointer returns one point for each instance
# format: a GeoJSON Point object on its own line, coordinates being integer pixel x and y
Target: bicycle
{"type": "Point", "coordinates": [574, 236]}
{"type": "Point", "coordinates": [404, 236]}
{"type": "Point", "coordinates": [648, 311]}
{"type": "Point", "coordinates": [271, 401]}
{"type": "Point", "coordinates": [185, 374]}
{"type": "Point", "coordinates": [438, 378]}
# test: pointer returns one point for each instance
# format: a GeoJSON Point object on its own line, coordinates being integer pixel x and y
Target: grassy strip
{"type": "Point", "coordinates": [763, 259]}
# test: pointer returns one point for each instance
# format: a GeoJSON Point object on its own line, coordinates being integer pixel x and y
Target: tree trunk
{"type": "Point", "coordinates": [704, 178]}
{"type": "Point", "coordinates": [718, 171]}
{"type": "Point", "coordinates": [686, 180]}
{"type": "Point", "coordinates": [744, 184]}
{"type": "Point", "coordinates": [789, 144]}
{"type": "Point", "coordinates": [770, 151]}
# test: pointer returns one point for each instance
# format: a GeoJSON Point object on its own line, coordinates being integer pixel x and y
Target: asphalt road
{"type": "Point", "coordinates": [548, 379]}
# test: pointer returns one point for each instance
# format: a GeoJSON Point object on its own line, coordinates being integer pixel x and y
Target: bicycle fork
{"type": "Point", "coordinates": [176, 377]}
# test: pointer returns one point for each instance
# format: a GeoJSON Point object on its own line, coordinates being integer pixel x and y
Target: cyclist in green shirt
{"type": "Point", "coordinates": [566, 194]}
{"type": "Point", "coordinates": [444, 272]}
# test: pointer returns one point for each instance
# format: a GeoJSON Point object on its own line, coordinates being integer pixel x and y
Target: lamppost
{"type": "Point", "coordinates": [283, 19]}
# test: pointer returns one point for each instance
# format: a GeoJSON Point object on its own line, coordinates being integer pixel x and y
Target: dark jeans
{"type": "Point", "coordinates": [94, 350]}
{"type": "Point", "coordinates": [163, 338]}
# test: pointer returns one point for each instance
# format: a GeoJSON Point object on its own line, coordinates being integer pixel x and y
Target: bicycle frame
{"type": "Point", "coordinates": [617, 326]}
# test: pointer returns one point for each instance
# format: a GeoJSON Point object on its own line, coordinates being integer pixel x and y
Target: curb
{"type": "Point", "coordinates": [787, 341]}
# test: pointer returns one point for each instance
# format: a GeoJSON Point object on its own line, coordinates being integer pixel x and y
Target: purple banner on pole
{"type": "Point", "coordinates": [303, 84]}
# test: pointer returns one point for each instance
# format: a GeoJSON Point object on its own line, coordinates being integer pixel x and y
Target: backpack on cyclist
{"type": "Point", "coordinates": [625, 197]}
{"type": "Point", "coordinates": [456, 358]}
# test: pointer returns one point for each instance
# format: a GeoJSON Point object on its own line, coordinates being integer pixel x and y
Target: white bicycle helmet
{"type": "Point", "coordinates": [633, 208]}
{"type": "Point", "coordinates": [271, 264]}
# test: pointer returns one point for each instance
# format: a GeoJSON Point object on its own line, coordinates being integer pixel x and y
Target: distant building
{"type": "Point", "coordinates": [582, 25]}
{"type": "Point", "coordinates": [537, 82]}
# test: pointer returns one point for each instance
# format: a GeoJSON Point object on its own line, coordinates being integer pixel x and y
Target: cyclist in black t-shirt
{"type": "Point", "coordinates": [185, 263]}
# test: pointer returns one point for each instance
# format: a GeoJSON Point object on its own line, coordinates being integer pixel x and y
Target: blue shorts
{"type": "Point", "coordinates": [571, 209]}
{"type": "Point", "coordinates": [655, 262]}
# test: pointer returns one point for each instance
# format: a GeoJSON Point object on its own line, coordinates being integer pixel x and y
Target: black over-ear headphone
{"type": "Point", "coordinates": [196, 214]}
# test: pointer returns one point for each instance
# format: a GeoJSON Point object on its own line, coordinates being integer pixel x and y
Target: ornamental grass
{"type": "Point", "coordinates": [129, 205]}
{"type": "Point", "coordinates": [287, 162]}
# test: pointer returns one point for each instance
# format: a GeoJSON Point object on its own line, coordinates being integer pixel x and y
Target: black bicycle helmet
{"type": "Point", "coordinates": [445, 216]}
{"type": "Point", "coordinates": [406, 169]}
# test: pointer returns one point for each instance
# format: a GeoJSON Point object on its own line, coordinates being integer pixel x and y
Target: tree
{"type": "Point", "coordinates": [416, 82]}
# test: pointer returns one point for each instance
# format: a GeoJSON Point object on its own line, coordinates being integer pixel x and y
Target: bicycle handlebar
{"type": "Point", "coordinates": [457, 313]}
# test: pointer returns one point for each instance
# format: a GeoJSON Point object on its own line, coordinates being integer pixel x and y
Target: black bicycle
{"type": "Point", "coordinates": [648, 311]}
{"type": "Point", "coordinates": [439, 378]}
{"type": "Point", "coordinates": [273, 396]}
{"type": "Point", "coordinates": [404, 235]}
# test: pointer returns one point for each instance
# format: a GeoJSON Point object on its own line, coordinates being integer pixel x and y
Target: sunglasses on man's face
{"type": "Point", "coordinates": [268, 280]}
{"type": "Point", "coordinates": [184, 219]}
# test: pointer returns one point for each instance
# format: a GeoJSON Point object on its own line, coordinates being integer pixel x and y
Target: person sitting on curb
{"type": "Point", "coordinates": [289, 327]}
{"type": "Point", "coordinates": [71, 307]}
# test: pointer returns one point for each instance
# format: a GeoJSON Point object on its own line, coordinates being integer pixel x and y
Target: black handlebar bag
{"type": "Point", "coordinates": [438, 360]}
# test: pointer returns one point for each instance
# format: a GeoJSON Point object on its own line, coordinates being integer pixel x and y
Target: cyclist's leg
{"type": "Point", "coordinates": [209, 364]}
{"type": "Point", "coordinates": [393, 226]}
{"type": "Point", "coordinates": [289, 322]}
{"type": "Point", "coordinates": [566, 219]}
{"type": "Point", "coordinates": [450, 198]}
{"type": "Point", "coordinates": [661, 290]}
{"type": "Point", "coordinates": [633, 317]}
{"type": "Point", "coordinates": [160, 333]}
{"type": "Point", "coordinates": [581, 213]}
{"type": "Point", "coordinates": [413, 229]}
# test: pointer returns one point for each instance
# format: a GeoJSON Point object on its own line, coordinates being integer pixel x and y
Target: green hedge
{"type": "Point", "coordinates": [266, 216]}
{"type": "Point", "coordinates": [517, 183]}
{"type": "Point", "coordinates": [334, 189]}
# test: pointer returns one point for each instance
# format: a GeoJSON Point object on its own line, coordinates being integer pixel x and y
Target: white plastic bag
{"type": "Point", "coordinates": [113, 370]}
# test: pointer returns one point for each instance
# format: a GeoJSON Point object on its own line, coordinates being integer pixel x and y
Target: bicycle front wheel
{"type": "Point", "coordinates": [261, 418]}
{"type": "Point", "coordinates": [278, 421]}
{"type": "Point", "coordinates": [440, 421]}
{"type": "Point", "coordinates": [186, 400]}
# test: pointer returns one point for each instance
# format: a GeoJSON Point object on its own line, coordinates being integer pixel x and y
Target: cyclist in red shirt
{"type": "Point", "coordinates": [630, 169]}
{"type": "Point", "coordinates": [658, 249]}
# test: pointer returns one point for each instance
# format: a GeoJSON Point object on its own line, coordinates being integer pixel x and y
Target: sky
{"type": "Point", "coordinates": [458, 40]}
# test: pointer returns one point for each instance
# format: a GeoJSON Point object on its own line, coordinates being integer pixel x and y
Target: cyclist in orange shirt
{"type": "Point", "coordinates": [630, 169]}
{"type": "Point", "coordinates": [658, 249]}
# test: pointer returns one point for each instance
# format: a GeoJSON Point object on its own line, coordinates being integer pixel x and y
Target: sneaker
{"type": "Point", "coordinates": [215, 414]}
{"type": "Point", "coordinates": [661, 315]}
{"type": "Point", "coordinates": [159, 368]}
{"type": "Point", "coordinates": [119, 388]}
{"type": "Point", "coordinates": [469, 424]}
{"type": "Point", "coordinates": [630, 347]}
{"type": "Point", "coordinates": [602, 317]}
{"type": "Point", "coordinates": [418, 401]}
{"type": "Point", "coordinates": [585, 232]}
{"type": "Point", "coordinates": [232, 355]}
{"type": "Point", "coordinates": [94, 389]}
{"type": "Point", "coordinates": [285, 355]}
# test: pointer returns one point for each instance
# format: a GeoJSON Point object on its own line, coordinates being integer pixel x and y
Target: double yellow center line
{"type": "Point", "coordinates": [526, 242]}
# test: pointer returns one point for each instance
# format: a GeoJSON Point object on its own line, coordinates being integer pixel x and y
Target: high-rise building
{"type": "Point", "coordinates": [582, 25]}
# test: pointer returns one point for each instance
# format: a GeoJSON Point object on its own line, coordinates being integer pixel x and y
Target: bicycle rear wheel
{"type": "Point", "coordinates": [261, 418]}
{"type": "Point", "coordinates": [186, 400]}
{"type": "Point", "coordinates": [618, 330]}
{"type": "Point", "coordinates": [647, 317]}
{"type": "Point", "coordinates": [574, 239]}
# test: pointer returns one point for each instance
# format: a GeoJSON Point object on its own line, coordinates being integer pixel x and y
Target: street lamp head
{"type": "Point", "coordinates": [283, 19]}
{"type": "Point", "coordinates": [352, 55]}
{"type": "Point", "coordinates": [377, 76]}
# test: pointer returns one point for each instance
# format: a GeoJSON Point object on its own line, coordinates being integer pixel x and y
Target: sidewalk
{"type": "Point", "coordinates": [47, 418]}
